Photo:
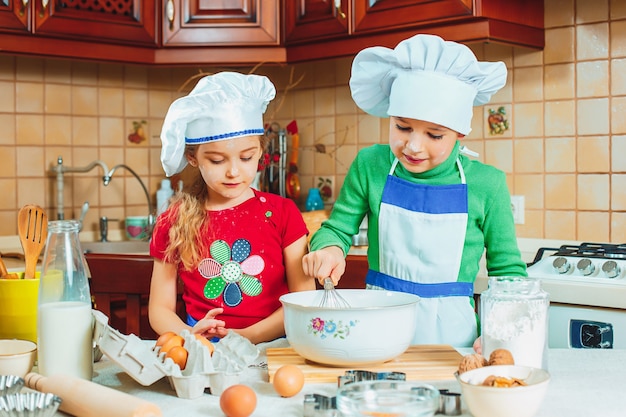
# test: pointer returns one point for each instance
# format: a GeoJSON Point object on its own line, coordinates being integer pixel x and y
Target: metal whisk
{"type": "Point", "coordinates": [332, 298]}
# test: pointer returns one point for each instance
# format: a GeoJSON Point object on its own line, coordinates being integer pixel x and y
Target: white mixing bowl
{"type": "Point", "coordinates": [378, 326]}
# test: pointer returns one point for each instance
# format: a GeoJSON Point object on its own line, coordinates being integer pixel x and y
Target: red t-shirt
{"type": "Point", "coordinates": [243, 271]}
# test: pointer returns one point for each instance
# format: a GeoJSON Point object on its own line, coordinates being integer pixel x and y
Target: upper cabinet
{"type": "Point", "coordinates": [200, 32]}
{"type": "Point", "coordinates": [117, 21]}
{"type": "Point", "coordinates": [329, 28]}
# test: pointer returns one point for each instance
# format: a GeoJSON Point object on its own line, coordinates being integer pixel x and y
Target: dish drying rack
{"type": "Point", "coordinates": [273, 176]}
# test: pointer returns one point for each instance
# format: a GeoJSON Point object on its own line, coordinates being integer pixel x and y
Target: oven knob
{"type": "Point", "coordinates": [610, 269]}
{"type": "Point", "coordinates": [561, 265]}
{"type": "Point", "coordinates": [585, 266]}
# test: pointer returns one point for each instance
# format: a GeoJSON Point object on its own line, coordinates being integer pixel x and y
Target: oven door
{"type": "Point", "coordinates": [581, 327]}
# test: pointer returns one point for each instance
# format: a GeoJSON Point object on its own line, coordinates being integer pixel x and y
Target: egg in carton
{"type": "Point", "coordinates": [146, 364]}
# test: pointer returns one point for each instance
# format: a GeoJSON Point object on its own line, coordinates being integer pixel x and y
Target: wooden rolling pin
{"type": "Point", "coordinates": [83, 398]}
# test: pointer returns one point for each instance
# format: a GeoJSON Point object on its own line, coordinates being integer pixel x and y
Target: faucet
{"type": "Point", "coordinates": [61, 169]}
{"type": "Point", "coordinates": [107, 180]}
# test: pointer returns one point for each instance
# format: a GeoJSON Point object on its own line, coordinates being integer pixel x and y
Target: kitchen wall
{"type": "Point", "coordinates": [564, 150]}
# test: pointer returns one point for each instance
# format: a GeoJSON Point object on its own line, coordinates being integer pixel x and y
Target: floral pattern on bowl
{"type": "Point", "coordinates": [330, 328]}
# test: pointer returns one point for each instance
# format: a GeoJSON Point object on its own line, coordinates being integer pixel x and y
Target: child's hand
{"type": "Point", "coordinates": [326, 262]}
{"type": "Point", "coordinates": [209, 326]}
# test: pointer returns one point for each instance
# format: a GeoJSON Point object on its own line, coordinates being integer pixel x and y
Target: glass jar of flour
{"type": "Point", "coordinates": [514, 316]}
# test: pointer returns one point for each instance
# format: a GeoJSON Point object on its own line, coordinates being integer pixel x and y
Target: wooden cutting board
{"type": "Point", "coordinates": [423, 362]}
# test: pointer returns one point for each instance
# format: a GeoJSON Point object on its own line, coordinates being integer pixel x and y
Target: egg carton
{"type": "Point", "coordinates": [146, 364]}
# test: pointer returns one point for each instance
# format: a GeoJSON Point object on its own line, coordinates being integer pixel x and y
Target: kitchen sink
{"type": "Point", "coordinates": [122, 247]}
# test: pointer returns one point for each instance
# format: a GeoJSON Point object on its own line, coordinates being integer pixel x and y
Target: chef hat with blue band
{"type": "Point", "coordinates": [222, 106]}
{"type": "Point", "coordinates": [425, 78]}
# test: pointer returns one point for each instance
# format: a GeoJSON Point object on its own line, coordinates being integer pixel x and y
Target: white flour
{"type": "Point", "coordinates": [520, 327]}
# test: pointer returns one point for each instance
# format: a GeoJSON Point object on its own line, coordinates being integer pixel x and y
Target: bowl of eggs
{"type": "Point", "coordinates": [377, 327]}
{"type": "Point", "coordinates": [504, 390]}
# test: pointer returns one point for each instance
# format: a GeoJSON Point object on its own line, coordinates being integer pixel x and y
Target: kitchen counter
{"type": "Point", "coordinates": [584, 383]}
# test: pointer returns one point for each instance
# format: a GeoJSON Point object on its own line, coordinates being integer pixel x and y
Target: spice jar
{"type": "Point", "coordinates": [514, 316]}
{"type": "Point", "coordinates": [64, 319]}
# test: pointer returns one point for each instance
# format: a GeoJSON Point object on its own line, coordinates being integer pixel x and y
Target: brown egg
{"type": "Point", "coordinates": [238, 401]}
{"type": "Point", "coordinates": [206, 342]}
{"type": "Point", "coordinates": [164, 338]}
{"type": "Point", "coordinates": [179, 355]}
{"type": "Point", "coordinates": [175, 340]}
{"type": "Point", "coordinates": [288, 380]}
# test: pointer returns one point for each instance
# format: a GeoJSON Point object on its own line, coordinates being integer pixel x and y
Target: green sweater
{"type": "Point", "coordinates": [490, 219]}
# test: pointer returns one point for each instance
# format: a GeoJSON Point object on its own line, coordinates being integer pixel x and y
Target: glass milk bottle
{"type": "Point", "coordinates": [64, 319]}
{"type": "Point", "coordinates": [514, 316]}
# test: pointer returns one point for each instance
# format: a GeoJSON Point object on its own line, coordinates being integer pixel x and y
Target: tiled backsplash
{"type": "Point", "coordinates": [564, 150]}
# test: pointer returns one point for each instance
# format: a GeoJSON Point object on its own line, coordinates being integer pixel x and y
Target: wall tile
{"type": "Point", "coordinates": [560, 155]}
{"type": "Point", "coordinates": [29, 69]}
{"type": "Point", "coordinates": [57, 100]}
{"type": "Point", "coordinates": [28, 97]}
{"type": "Point", "coordinates": [324, 101]}
{"type": "Point", "coordinates": [559, 45]}
{"type": "Point", "coordinates": [558, 13]}
{"type": "Point", "coordinates": [58, 71]}
{"type": "Point", "coordinates": [7, 121]}
{"type": "Point", "coordinates": [84, 73]}
{"type": "Point", "coordinates": [560, 225]}
{"type": "Point", "coordinates": [617, 9]}
{"type": "Point", "coordinates": [7, 68]}
{"type": "Point", "coordinates": [499, 153]}
{"type": "Point", "coordinates": [560, 118]}
{"type": "Point", "coordinates": [85, 131]}
{"type": "Point", "coordinates": [30, 161]}
{"type": "Point", "coordinates": [618, 110]}
{"type": "Point", "coordinates": [618, 76]}
{"type": "Point", "coordinates": [528, 84]}
{"type": "Point", "coordinates": [29, 129]}
{"type": "Point", "coordinates": [592, 41]}
{"type": "Point", "coordinates": [367, 127]}
{"type": "Point", "coordinates": [531, 186]}
{"type": "Point", "coordinates": [58, 130]}
{"type": "Point", "coordinates": [135, 103]}
{"type": "Point", "coordinates": [618, 39]}
{"type": "Point", "coordinates": [84, 100]}
{"type": "Point", "coordinates": [593, 116]}
{"type": "Point", "coordinates": [592, 11]}
{"type": "Point", "coordinates": [304, 103]}
{"type": "Point", "coordinates": [560, 191]}
{"type": "Point", "coordinates": [618, 194]}
{"type": "Point", "coordinates": [559, 81]}
{"type": "Point", "coordinates": [110, 101]}
{"type": "Point", "coordinates": [592, 79]}
{"type": "Point", "coordinates": [7, 168]}
{"type": "Point", "coordinates": [592, 192]}
{"type": "Point", "coordinates": [111, 131]}
{"type": "Point", "coordinates": [7, 92]}
{"type": "Point", "coordinates": [527, 120]}
{"type": "Point", "coordinates": [618, 227]}
{"type": "Point", "coordinates": [618, 153]}
{"type": "Point", "coordinates": [593, 154]}
{"type": "Point", "coordinates": [8, 189]}
{"type": "Point", "coordinates": [528, 155]}
{"type": "Point", "coordinates": [593, 226]}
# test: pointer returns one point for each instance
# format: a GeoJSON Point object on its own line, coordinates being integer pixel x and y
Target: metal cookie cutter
{"type": "Point", "coordinates": [449, 403]}
{"type": "Point", "coordinates": [359, 375]}
{"type": "Point", "coordinates": [317, 405]}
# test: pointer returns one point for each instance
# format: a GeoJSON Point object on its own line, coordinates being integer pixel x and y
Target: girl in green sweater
{"type": "Point", "coordinates": [431, 210]}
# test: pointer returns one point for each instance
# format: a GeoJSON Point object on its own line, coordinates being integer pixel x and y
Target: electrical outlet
{"type": "Point", "coordinates": [517, 205]}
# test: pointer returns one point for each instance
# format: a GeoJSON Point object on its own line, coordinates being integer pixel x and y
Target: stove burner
{"type": "Point", "coordinates": [585, 250]}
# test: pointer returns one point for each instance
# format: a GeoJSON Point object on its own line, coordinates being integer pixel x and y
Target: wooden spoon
{"type": "Point", "coordinates": [32, 224]}
{"type": "Point", "coordinates": [4, 274]}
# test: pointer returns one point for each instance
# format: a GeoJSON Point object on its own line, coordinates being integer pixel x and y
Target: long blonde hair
{"type": "Point", "coordinates": [185, 243]}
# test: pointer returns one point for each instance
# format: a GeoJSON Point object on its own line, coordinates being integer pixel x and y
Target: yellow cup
{"type": "Point", "coordinates": [18, 308]}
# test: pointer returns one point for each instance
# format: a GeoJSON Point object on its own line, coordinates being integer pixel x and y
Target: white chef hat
{"type": "Point", "coordinates": [222, 106]}
{"type": "Point", "coordinates": [425, 78]}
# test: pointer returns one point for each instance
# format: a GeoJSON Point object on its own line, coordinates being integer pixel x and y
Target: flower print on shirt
{"type": "Point", "coordinates": [231, 272]}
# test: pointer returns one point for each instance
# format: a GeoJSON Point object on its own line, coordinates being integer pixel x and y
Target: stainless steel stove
{"type": "Point", "coordinates": [587, 287]}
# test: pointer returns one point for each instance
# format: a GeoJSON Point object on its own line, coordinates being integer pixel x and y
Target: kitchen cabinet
{"type": "Point", "coordinates": [356, 270]}
{"type": "Point", "coordinates": [223, 23]}
{"type": "Point", "coordinates": [116, 21]}
{"type": "Point", "coordinates": [316, 29]}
